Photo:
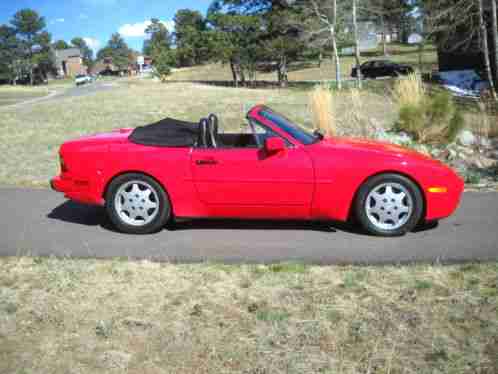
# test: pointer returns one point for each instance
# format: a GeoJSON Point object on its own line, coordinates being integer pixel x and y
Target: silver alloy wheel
{"type": "Point", "coordinates": [136, 203]}
{"type": "Point", "coordinates": [389, 206]}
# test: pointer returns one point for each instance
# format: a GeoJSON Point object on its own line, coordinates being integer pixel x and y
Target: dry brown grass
{"type": "Point", "coordinates": [409, 91]}
{"type": "Point", "coordinates": [74, 316]}
{"type": "Point", "coordinates": [322, 110]}
{"type": "Point", "coordinates": [10, 95]}
{"type": "Point", "coordinates": [343, 113]}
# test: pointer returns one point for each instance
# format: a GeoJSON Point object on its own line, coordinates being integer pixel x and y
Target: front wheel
{"type": "Point", "coordinates": [389, 205]}
{"type": "Point", "coordinates": [137, 204]}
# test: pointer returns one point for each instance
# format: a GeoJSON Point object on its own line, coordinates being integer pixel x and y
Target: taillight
{"type": "Point", "coordinates": [63, 164]}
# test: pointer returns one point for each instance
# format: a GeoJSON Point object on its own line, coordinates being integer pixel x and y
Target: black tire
{"type": "Point", "coordinates": [410, 219]}
{"type": "Point", "coordinates": [163, 204]}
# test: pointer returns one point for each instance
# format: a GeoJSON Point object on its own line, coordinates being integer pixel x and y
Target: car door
{"type": "Point", "coordinates": [249, 182]}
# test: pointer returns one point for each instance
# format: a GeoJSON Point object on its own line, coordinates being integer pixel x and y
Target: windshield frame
{"type": "Point", "coordinates": [289, 127]}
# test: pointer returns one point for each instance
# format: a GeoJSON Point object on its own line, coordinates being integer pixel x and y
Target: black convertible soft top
{"type": "Point", "coordinates": [168, 132]}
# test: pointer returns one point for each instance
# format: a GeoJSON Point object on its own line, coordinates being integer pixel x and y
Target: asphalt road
{"type": "Point", "coordinates": [42, 222]}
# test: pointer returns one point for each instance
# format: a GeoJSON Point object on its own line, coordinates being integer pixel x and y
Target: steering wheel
{"type": "Point", "coordinates": [213, 130]}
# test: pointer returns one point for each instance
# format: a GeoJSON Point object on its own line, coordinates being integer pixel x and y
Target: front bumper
{"type": "Point", "coordinates": [443, 205]}
{"type": "Point", "coordinates": [77, 190]}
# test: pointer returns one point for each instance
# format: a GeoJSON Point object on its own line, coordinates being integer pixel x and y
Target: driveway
{"type": "Point", "coordinates": [87, 89]}
{"type": "Point", "coordinates": [41, 222]}
{"type": "Point", "coordinates": [58, 93]}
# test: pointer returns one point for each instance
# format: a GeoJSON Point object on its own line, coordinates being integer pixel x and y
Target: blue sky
{"type": "Point", "coordinates": [96, 20]}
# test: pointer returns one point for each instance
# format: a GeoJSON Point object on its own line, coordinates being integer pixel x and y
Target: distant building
{"type": "Point", "coordinates": [69, 62]}
{"type": "Point", "coordinates": [368, 35]}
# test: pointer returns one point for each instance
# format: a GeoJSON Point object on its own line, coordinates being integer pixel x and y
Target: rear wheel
{"type": "Point", "coordinates": [137, 204]}
{"type": "Point", "coordinates": [389, 205]}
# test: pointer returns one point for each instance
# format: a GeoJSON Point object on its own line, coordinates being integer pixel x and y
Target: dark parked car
{"type": "Point", "coordinates": [382, 68]}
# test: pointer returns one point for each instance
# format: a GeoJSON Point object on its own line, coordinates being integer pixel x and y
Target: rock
{"type": "Point", "coordinates": [403, 137]}
{"type": "Point", "coordinates": [422, 149]}
{"type": "Point", "coordinates": [493, 154]}
{"type": "Point", "coordinates": [485, 142]}
{"type": "Point", "coordinates": [115, 359]}
{"type": "Point", "coordinates": [466, 138]}
{"type": "Point", "coordinates": [477, 163]}
{"type": "Point", "coordinates": [452, 154]}
{"type": "Point", "coordinates": [466, 151]}
{"type": "Point", "coordinates": [487, 162]}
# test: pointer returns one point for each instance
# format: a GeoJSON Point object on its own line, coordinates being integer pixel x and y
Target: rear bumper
{"type": "Point", "coordinates": [77, 190]}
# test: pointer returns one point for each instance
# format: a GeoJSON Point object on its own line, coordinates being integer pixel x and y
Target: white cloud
{"type": "Point", "coordinates": [57, 20]}
{"type": "Point", "coordinates": [137, 30]}
{"type": "Point", "coordinates": [92, 43]}
{"type": "Point", "coordinates": [83, 16]}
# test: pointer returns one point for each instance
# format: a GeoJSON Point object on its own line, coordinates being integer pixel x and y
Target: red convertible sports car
{"type": "Point", "coordinates": [275, 170]}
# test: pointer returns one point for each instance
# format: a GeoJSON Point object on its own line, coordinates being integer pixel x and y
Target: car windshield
{"type": "Point", "coordinates": [80, 76]}
{"type": "Point", "coordinates": [296, 131]}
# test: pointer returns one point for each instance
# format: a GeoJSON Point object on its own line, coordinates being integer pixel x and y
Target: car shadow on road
{"type": "Point", "coordinates": [80, 214]}
{"type": "Point", "coordinates": [86, 215]}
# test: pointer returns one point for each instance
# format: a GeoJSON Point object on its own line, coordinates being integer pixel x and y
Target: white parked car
{"type": "Point", "coordinates": [82, 79]}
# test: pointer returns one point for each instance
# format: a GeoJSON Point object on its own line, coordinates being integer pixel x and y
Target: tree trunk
{"type": "Point", "coordinates": [334, 46]}
{"type": "Point", "coordinates": [421, 55]}
{"type": "Point", "coordinates": [282, 72]}
{"type": "Point", "coordinates": [242, 75]}
{"type": "Point", "coordinates": [495, 36]}
{"type": "Point", "coordinates": [234, 73]}
{"type": "Point", "coordinates": [357, 46]}
{"type": "Point", "coordinates": [485, 50]}
{"type": "Point", "coordinates": [384, 36]}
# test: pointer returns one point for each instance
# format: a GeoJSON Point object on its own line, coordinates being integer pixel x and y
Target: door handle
{"type": "Point", "coordinates": [206, 162]}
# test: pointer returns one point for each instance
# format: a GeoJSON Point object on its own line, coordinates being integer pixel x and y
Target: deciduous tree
{"type": "Point", "coordinates": [117, 49]}
{"type": "Point", "coordinates": [86, 51]}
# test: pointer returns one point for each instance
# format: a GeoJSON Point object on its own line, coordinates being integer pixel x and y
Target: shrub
{"type": "Point", "coordinates": [429, 119]}
{"type": "Point", "coordinates": [409, 91]}
{"type": "Point", "coordinates": [322, 109]}
{"type": "Point", "coordinates": [162, 64]}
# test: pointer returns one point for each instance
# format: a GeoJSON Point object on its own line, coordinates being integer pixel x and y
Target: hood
{"type": "Point", "coordinates": [375, 147]}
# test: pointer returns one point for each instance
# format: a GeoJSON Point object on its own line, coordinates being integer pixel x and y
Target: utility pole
{"type": "Point", "coordinates": [485, 49]}
{"type": "Point", "coordinates": [494, 25]}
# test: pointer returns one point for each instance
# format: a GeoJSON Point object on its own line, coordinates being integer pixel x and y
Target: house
{"type": "Point", "coordinates": [69, 62]}
{"type": "Point", "coordinates": [368, 35]}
